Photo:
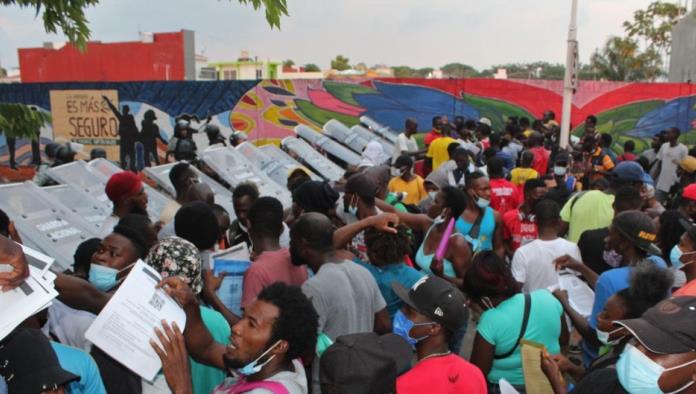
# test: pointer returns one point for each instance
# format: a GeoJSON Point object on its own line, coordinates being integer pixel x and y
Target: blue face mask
{"type": "Point", "coordinates": [638, 374]}
{"type": "Point", "coordinates": [254, 367]}
{"type": "Point", "coordinates": [482, 202]}
{"type": "Point", "coordinates": [103, 278]}
{"type": "Point", "coordinates": [353, 210]}
{"type": "Point", "coordinates": [403, 325]}
{"type": "Point", "coordinates": [674, 255]}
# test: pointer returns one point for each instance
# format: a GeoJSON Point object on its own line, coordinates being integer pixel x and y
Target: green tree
{"type": "Point", "coordinates": [458, 70]}
{"type": "Point", "coordinates": [340, 63]}
{"type": "Point", "coordinates": [403, 72]}
{"type": "Point", "coordinates": [622, 60]}
{"type": "Point", "coordinates": [423, 72]}
{"type": "Point", "coordinates": [653, 26]}
{"type": "Point", "coordinates": [3, 72]}
{"type": "Point", "coordinates": [311, 67]}
{"type": "Point", "coordinates": [68, 16]}
{"type": "Point", "coordinates": [19, 120]}
{"type": "Point", "coordinates": [288, 63]}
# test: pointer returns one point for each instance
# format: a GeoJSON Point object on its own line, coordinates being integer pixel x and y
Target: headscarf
{"type": "Point", "coordinates": [175, 256]}
{"type": "Point", "coordinates": [373, 155]}
{"type": "Point", "coordinates": [122, 184]}
{"type": "Point", "coordinates": [438, 178]}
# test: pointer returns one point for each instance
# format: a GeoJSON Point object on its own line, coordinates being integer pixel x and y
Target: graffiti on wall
{"type": "Point", "coordinates": [269, 110]}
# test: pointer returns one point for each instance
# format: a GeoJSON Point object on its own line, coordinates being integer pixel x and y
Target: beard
{"type": "Point", "coordinates": [232, 363]}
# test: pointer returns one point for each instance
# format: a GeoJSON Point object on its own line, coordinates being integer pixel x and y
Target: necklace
{"type": "Point", "coordinates": [435, 355]}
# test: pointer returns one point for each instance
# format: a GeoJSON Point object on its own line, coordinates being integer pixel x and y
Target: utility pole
{"type": "Point", "coordinates": [571, 78]}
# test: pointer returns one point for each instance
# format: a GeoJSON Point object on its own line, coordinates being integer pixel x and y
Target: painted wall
{"type": "Point", "coordinates": [270, 109]}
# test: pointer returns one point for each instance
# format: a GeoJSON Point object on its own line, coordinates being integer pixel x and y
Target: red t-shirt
{"type": "Point", "coordinates": [268, 268]}
{"type": "Point", "coordinates": [518, 231]}
{"type": "Point", "coordinates": [431, 136]}
{"type": "Point", "coordinates": [504, 195]}
{"type": "Point", "coordinates": [541, 159]}
{"type": "Point", "coordinates": [442, 375]}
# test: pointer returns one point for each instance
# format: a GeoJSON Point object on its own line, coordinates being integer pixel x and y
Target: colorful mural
{"type": "Point", "coordinates": [269, 110]}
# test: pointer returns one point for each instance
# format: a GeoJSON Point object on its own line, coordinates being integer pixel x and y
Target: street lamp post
{"type": "Point", "coordinates": [571, 77]}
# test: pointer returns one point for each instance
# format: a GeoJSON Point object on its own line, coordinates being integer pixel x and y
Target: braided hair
{"type": "Point", "coordinates": [490, 277]}
{"type": "Point", "coordinates": [387, 248]}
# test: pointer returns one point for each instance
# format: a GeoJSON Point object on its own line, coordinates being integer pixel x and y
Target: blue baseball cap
{"type": "Point", "coordinates": [632, 171]}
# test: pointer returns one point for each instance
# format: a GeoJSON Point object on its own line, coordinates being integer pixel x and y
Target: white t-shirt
{"type": "Point", "coordinates": [532, 264]}
{"type": "Point", "coordinates": [69, 325]}
{"type": "Point", "coordinates": [670, 157]}
{"type": "Point", "coordinates": [404, 144]}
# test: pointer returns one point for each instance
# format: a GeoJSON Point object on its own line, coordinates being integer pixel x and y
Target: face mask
{"type": "Point", "coordinates": [638, 374]}
{"type": "Point", "coordinates": [432, 195]}
{"type": "Point", "coordinates": [253, 367]}
{"type": "Point", "coordinates": [403, 325]}
{"type": "Point", "coordinates": [675, 256]}
{"type": "Point", "coordinates": [353, 210]}
{"type": "Point", "coordinates": [482, 202]}
{"type": "Point", "coordinates": [612, 258]}
{"type": "Point", "coordinates": [487, 303]}
{"type": "Point", "coordinates": [439, 220]}
{"type": "Point", "coordinates": [103, 278]}
{"type": "Point", "coordinates": [558, 170]}
{"type": "Point", "coordinates": [243, 228]}
{"type": "Point", "coordinates": [603, 337]}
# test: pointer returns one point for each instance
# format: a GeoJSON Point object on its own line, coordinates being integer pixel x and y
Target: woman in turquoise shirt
{"type": "Point", "coordinates": [492, 288]}
{"type": "Point", "coordinates": [490, 229]}
{"type": "Point", "coordinates": [449, 203]}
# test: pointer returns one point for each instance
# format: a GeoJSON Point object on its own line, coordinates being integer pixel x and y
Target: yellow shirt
{"type": "Point", "coordinates": [438, 151]}
{"type": "Point", "coordinates": [519, 175]}
{"type": "Point", "coordinates": [415, 189]}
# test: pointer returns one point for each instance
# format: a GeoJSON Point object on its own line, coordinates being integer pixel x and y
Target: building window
{"type": "Point", "coordinates": [229, 74]}
{"type": "Point", "coordinates": [259, 73]}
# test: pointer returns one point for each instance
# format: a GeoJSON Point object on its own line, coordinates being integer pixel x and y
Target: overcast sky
{"type": "Point", "coordinates": [417, 33]}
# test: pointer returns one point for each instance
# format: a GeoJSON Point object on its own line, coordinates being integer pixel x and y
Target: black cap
{"type": "Point", "coordinates": [639, 229]}
{"type": "Point", "coordinates": [667, 328]}
{"type": "Point", "coordinates": [30, 364]}
{"type": "Point", "coordinates": [435, 298]}
{"type": "Point", "coordinates": [689, 227]}
{"type": "Point", "coordinates": [365, 363]}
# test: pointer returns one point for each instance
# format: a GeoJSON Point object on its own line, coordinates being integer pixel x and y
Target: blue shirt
{"type": "Point", "coordinates": [609, 283]}
{"type": "Point", "coordinates": [484, 241]}
{"type": "Point", "coordinates": [507, 159]}
{"type": "Point", "coordinates": [79, 363]}
{"type": "Point", "coordinates": [384, 276]}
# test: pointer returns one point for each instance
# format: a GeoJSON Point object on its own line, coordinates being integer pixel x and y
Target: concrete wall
{"type": "Point", "coordinates": [682, 65]}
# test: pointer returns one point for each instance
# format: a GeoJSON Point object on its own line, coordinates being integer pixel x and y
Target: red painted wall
{"type": "Point", "coordinates": [107, 62]}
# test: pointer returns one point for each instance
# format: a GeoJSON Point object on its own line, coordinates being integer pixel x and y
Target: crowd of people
{"type": "Point", "coordinates": [421, 270]}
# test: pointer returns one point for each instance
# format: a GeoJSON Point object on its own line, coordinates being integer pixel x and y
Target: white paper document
{"type": "Point", "coordinates": [580, 295]}
{"type": "Point", "coordinates": [30, 297]}
{"type": "Point", "coordinates": [126, 325]}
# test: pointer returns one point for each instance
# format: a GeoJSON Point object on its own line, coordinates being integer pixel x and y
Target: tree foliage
{"type": "Point", "coordinates": [340, 63]}
{"type": "Point", "coordinates": [408, 72]}
{"type": "Point", "coordinates": [288, 63]}
{"type": "Point", "coordinates": [622, 60]}
{"type": "Point", "coordinates": [311, 67]}
{"type": "Point", "coordinates": [68, 16]}
{"type": "Point", "coordinates": [458, 70]}
{"type": "Point", "coordinates": [19, 120]}
{"type": "Point", "coordinates": [653, 25]}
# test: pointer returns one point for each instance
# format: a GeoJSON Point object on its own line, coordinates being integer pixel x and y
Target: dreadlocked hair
{"type": "Point", "coordinates": [388, 248]}
{"type": "Point", "coordinates": [489, 276]}
{"type": "Point", "coordinates": [649, 284]}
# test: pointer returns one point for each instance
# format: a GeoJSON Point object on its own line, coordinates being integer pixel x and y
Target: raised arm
{"type": "Point", "coordinates": [113, 108]}
{"type": "Point", "coordinates": [199, 342]}
{"type": "Point", "coordinates": [345, 234]}
{"type": "Point", "coordinates": [80, 294]}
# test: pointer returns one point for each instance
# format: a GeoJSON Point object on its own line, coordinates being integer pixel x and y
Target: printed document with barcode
{"type": "Point", "coordinates": [125, 326]}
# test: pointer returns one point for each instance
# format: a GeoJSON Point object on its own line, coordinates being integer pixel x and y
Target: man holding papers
{"type": "Point", "coordinates": [276, 330]}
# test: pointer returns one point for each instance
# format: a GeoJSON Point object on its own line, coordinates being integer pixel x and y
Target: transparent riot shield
{"type": "Point", "coordinates": [341, 133]}
{"type": "Point", "coordinates": [303, 152]}
{"type": "Point", "coordinates": [277, 167]}
{"type": "Point", "coordinates": [234, 168]}
{"type": "Point", "coordinates": [82, 204]}
{"type": "Point", "coordinates": [160, 175]}
{"type": "Point", "coordinates": [328, 145]}
{"type": "Point", "coordinates": [44, 223]}
{"type": "Point", "coordinates": [367, 135]}
{"type": "Point", "coordinates": [156, 201]}
{"type": "Point", "coordinates": [379, 129]}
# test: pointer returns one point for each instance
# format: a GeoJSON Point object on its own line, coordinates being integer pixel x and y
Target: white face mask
{"type": "Point", "coordinates": [432, 195]}
{"type": "Point", "coordinates": [638, 374]}
{"type": "Point", "coordinates": [559, 171]}
{"type": "Point", "coordinates": [604, 336]}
